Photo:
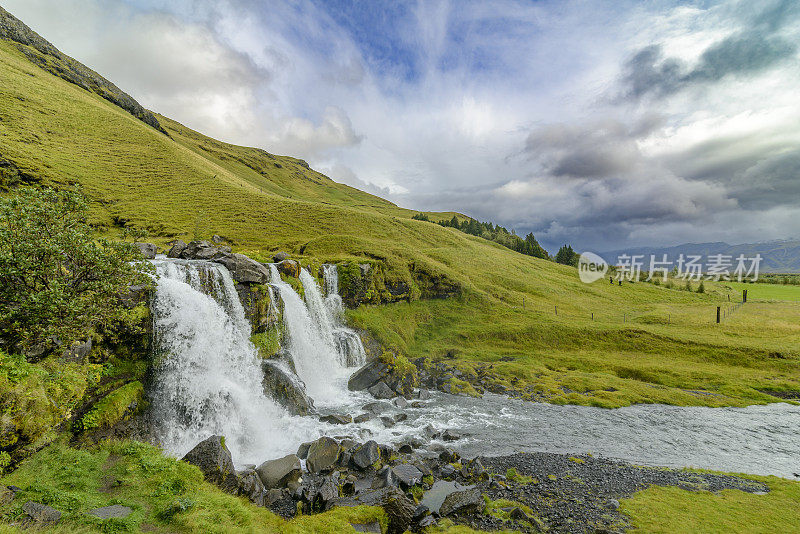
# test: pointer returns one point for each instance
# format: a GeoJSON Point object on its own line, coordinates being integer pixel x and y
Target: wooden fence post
{"type": "Point", "coordinates": [718, 311]}
{"type": "Point", "coordinates": [744, 295]}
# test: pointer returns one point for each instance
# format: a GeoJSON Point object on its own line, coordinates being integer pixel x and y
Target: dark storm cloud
{"type": "Point", "coordinates": [648, 72]}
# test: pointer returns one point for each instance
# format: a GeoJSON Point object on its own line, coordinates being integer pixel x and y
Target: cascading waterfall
{"type": "Point", "coordinates": [348, 343]}
{"type": "Point", "coordinates": [208, 375]}
{"type": "Point", "coordinates": [311, 343]}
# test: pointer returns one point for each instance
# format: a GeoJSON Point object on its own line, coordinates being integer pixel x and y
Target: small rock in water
{"type": "Point", "coordinates": [376, 407]}
{"type": "Point", "coordinates": [337, 419]}
{"type": "Point", "coordinates": [387, 421]}
{"type": "Point", "coordinates": [107, 512]}
{"type": "Point", "coordinates": [451, 435]}
{"type": "Point", "coordinates": [400, 417]}
{"type": "Point", "coordinates": [363, 418]}
{"type": "Point", "coordinates": [423, 394]}
{"type": "Point", "coordinates": [400, 402]}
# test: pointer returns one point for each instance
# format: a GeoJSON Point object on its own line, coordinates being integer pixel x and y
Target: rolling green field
{"type": "Point", "coordinates": [779, 292]}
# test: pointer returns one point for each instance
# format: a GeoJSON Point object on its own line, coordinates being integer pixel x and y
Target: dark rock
{"type": "Point", "coordinates": [285, 388]}
{"type": "Point", "coordinates": [302, 450]}
{"type": "Point", "coordinates": [278, 473]}
{"type": "Point", "coordinates": [40, 515]}
{"type": "Point", "coordinates": [177, 249]}
{"type": "Point", "coordinates": [244, 269]}
{"type": "Point", "coordinates": [147, 250]}
{"type": "Point", "coordinates": [448, 456]}
{"type": "Point", "coordinates": [461, 501]}
{"type": "Point", "coordinates": [273, 495]}
{"type": "Point", "coordinates": [417, 404]}
{"type": "Point", "coordinates": [407, 475]}
{"type": "Point", "coordinates": [447, 471]}
{"type": "Point", "coordinates": [387, 421]}
{"type": "Point", "coordinates": [322, 454]}
{"type": "Point", "coordinates": [367, 376]}
{"type": "Point", "coordinates": [337, 419]}
{"type": "Point", "coordinates": [363, 418]}
{"type": "Point", "coordinates": [398, 417]}
{"type": "Point", "coordinates": [214, 460]}
{"type": "Point", "coordinates": [518, 515]}
{"type": "Point", "coordinates": [107, 512]}
{"type": "Point", "coordinates": [400, 511]}
{"type": "Point", "coordinates": [385, 478]}
{"type": "Point", "coordinates": [451, 435]}
{"type": "Point", "coordinates": [199, 250]}
{"type": "Point", "coordinates": [289, 268]}
{"type": "Point", "coordinates": [375, 407]}
{"type": "Point", "coordinates": [250, 486]}
{"type": "Point", "coordinates": [279, 257]}
{"type": "Point", "coordinates": [366, 455]}
{"type": "Point", "coordinates": [381, 391]}
{"type": "Point", "coordinates": [327, 492]}
{"type": "Point", "coordinates": [405, 448]}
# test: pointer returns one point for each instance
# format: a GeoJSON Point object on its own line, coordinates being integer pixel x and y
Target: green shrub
{"type": "Point", "coordinates": [56, 281]}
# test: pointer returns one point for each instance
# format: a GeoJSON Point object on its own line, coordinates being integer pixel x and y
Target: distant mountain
{"type": "Point", "coordinates": [777, 256]}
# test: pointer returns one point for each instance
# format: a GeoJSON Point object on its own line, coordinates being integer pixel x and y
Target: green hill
{"type": "Point", "coordinates": [601, 344]}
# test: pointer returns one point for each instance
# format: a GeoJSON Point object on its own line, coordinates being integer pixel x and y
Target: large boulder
{"type": "Point", "coordinates": [288, 390]}
{"type": "Point", "coordinates": [214, 460]}
{"type": "Point", "coordinates": [322, 454]}
{"type": "Point", "coordinates": [368, 375]}
{"type": "Point", "coordinates": [365, 455]}
{"type": "Point", "coordinates": [200, 250]}
{"type": "Point", "coordinates": [461, 501]}
{"type": "Point", "coordinates": [407, 475]}
{"type": "Point", "coordinates": [176, 249]}
{"type": "Point", "coordinates": [244, 269]}
{"type": "Point", "coordinates": [147, 250]}
{"type": "Point", "coordinates": [394, 371]}
{"type": "Point", "coordinates": [279, 473]}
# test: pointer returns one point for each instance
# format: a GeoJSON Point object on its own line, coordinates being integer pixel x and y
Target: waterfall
{"type": "Point", "coordinates": [348, 343]}
{"type": "Point", "coordinates": [311, 342]}
{"type": "Point", "coordinates": [208, 378]}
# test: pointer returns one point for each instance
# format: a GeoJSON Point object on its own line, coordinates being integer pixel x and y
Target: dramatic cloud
{"type": "Point", "coordinates": [600, 124]}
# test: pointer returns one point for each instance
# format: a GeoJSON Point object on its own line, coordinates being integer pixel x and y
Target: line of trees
{"type": "Point", "coordinates": [493, 232]}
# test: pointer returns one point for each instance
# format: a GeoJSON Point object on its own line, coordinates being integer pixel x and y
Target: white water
{"type": "Point", "coordinates": [310, 342]}
{"type": "Point", "coordinates": [208, 379]}
{"type": "Point", "coordinates": [348, 343]}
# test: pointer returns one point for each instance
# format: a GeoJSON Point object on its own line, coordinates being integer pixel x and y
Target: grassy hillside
{"type": "Point", "coordinates": [645, 344]}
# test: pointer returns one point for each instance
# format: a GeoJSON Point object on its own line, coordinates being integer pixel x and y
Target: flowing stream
{"type": "Point", "coordinates": [208, 380]}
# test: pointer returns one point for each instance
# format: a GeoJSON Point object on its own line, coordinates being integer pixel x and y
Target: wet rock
{"type": "Point", "coordinates": [367, 376]}
{"type": "Point", "coordinates": [449, 456]}
{"type": "Point", "coordinates": [447, 471]}
{"type": "Point", "coordinates": [302, 450]}
{"type": "Point", "coordinates": [327, 492]}
{"type": "Point", "coordinates": [199, 250]}
{"type": "Point", "coordinates": [451, 435]}
{"type": "Point", "coordinates": [405, 448]}
{"type": "Point", "coordinates": [400, 511]}
{"type": "Point", "coordinates": [250, 486]}
{"type": "Point", "coordinates": [39, 515]}
{"type": "Point", "coordinates": [366, 455]}
{"type": "Point", "coordinates": [289, 268]}
{"type": "Point", "coordinates": [283, 387]}
{"type": "Point", "coordinates": [461, 501]}
{"type": "Point", "coordinates": [407, 475]}
{"type": "Point", "coordinates": [147, 250]}
{"type": "Point", "coordinates": [381, 391]}
{"type": "Point", "coordinates": [113, 511]}
{"type": "Point", "coordinates": [363, 418]}
{"type": "Point", "coordinates": [337, 419]}
{"type": "Point", "coordinates": [279, 257]}
{"type": "Point", "coordinates": [214, 460]}
{"type": "Point", "coordinates": [177, 248]}
{"type": "Point", "coordinates": [401, 403]}
{"type": "Point", "coordinates": [244, 269]}
{"type": "Point", "coordinates": [322, 454]}
{"type": "Point", "coordinates": [400, 417]}
{"type": "Point", "coordinates": [278, 473]}
{"type": "Point", "coordinates": [422, 394]}
{"type": "Point", "coordinates": [376, 407]}
{"type": "Point", "coordinates": [387, 421]}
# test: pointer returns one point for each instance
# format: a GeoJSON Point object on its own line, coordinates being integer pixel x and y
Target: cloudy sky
{"type": "Point", "coordinates": [602, 124]}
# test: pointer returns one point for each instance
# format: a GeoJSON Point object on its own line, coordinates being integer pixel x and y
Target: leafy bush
{"type": "Point", "coordinates": [56, 281]}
